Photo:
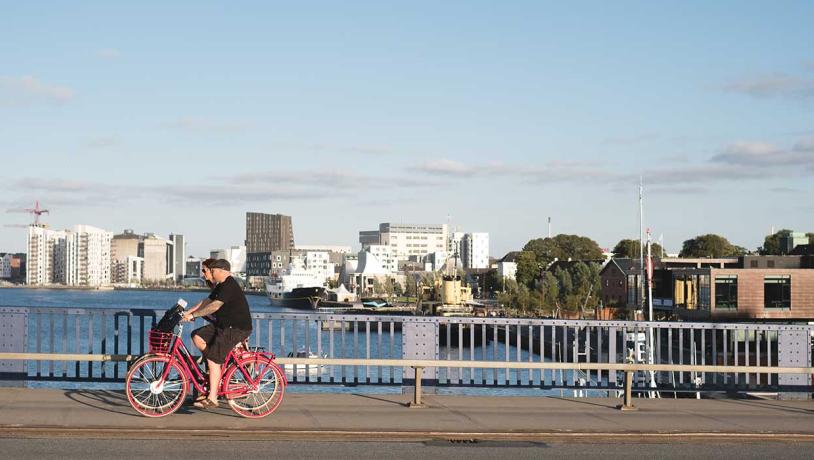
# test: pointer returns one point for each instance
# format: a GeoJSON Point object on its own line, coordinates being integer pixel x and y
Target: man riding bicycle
{"type": "Point", "coordinates": [232, 324]}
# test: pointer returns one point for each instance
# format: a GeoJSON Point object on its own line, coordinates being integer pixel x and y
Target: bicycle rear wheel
{"type": "Point", "coordinates": [149, 393]}
{"type": "Point", "coordinates": [254, 387]}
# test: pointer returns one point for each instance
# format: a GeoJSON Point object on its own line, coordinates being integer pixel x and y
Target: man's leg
{"type": "Point", "coordinates": [214, 380]}
{"type": "Point", "coordinates": [199, 342]}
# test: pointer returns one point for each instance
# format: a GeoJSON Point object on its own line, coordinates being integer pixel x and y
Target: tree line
{"type": "Point", "coordinates": [576, 286]}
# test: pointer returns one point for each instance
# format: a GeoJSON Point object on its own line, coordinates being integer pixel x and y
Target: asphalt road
{"type": "Point", "coordinates": [202, 448]}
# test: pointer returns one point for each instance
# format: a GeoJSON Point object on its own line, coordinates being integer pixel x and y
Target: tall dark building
{"type": "Point", "coordinates": [266, 233]}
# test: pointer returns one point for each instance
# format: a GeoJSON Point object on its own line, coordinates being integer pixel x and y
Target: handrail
{"type": "Point", "coordinates": [622, 367]}
{"type": "Point", "coordinates": [419, 364]}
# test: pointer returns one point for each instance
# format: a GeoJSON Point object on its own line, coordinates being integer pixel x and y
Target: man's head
{"type": "Point", "coordinates": [220, 269]}
{"type": "Point", "coordinates": [206, 271]}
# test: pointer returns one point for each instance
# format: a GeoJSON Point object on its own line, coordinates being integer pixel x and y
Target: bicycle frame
{"type": "Point", "coordinates": [179, 354]}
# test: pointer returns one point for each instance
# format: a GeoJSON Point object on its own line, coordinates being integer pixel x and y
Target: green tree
{"type": "Point", "coordinates": [587, 285]}
{"type": "Point", "coordinates": [507, 298]}
{"type": "Point", "coordinates": [523, 298]}
{"type": "Point", "coordinates": [378, 288]}
{"type": "Point", "coordinates": [771, 244]}
{"type": "Point", "coordinates": [539, 253]}
{"type": "Point", "coordinates": [528, 268]}
{"type": "Point", "coordinates": [710, 245]}
{"type": "Point", "coordinates": [566, 287]}
{"type": "Point", "coordinates": [550, 291]}
{"type": "Point", "coordinates": [630, 248]}
{"type": "Point", "coordinates": [810, 238]}
{"type": "Point", "coordinates": [493, 281]}
{"type": "Point", "coordinates": [412, 286]}
{"type": "Point", "coordinates": [563, 247]}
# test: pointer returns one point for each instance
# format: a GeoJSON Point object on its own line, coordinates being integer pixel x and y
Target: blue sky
{"type": "Point", "coordinates": [182, 117]}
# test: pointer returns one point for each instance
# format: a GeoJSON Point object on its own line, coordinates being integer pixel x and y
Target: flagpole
{"type": "Point", "coordinates": [641, 244]}
{"type": "Point", "coordinates": [650, 344]}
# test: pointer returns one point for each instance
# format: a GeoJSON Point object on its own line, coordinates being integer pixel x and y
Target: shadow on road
{"type": "Point", "coordinates": [390, 401]}
{"type": "Point", "coordinates": [116, 402]}
{"type": "Point", "coordinates": [108, 401]}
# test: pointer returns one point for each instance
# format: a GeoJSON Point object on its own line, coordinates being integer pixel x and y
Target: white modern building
{"type": "Point", "coordinates": [130, 270]}
{"type": "Point", "coordinates": [475, 250]}
{"type": "Point", "coordinates": [179, 255]}
{"type": "Point", "coordinates": [507, 266]}
{"type": "Point", "coordinates": [369, 272]}
{"type": "Point", "coordinates": [319, 262]}
{"type": "Point", "coordinates": [385, 255]}
{"type": "Point", "coordinates": [78, 257]}
{"type": "Point", "coordinates": [408, 240]}
{"type": "Point", "coordinates": [435, 261]}
{"type": "Point", "coordinates": [454, 245]}
{"type": "Point", "coordinates": [92, 266]}
{"type": "Point", "coordinates": [236, 255]}
{"type": "Point", "coordinates": [40, 263]}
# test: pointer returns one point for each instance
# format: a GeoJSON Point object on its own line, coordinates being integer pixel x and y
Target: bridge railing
{"type": "Point", "coordinates": [519, 352]}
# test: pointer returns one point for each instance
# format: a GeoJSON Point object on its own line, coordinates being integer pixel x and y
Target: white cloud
{"type": "Point", "coordinates": [205, 125]}
{"type": "Point", "coordinates": [630, 140]}
{"type": "Point", "coordinates": [445, 167]}
{"type": "Point", "coordinates": [557, 171]}
{"type": "Point", "coordinates": [27, 89]}
{"type": "Point", "coordinates": [103, 142]}
{"type": "Point", "coordinates": [108, 54]}
{"type": "Point", "coordinates": [760, 154]}
{"type": "Point", "coordinates": [804, 145]}
{"type": "Point", "coordinates": [777, 85]}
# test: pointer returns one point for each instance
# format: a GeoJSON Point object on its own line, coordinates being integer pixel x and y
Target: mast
{"type": "Point", "coordinates": [650, 342]}
{"type": "Point", "coordinates": [641, 244]}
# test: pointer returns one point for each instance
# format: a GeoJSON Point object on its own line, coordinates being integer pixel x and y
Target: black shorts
{"type": "Point", "coordinates": [219, 342]}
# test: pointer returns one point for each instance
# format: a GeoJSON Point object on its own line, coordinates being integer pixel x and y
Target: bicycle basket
{"type": "Point", "coordinates": [159, 341]}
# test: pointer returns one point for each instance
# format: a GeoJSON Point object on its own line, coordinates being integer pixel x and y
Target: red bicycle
{"type": "Point", "coordinates": [252, 383]}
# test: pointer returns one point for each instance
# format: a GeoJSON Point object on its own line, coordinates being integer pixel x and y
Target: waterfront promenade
{"type": "Point", "coordinates": [107, 414]}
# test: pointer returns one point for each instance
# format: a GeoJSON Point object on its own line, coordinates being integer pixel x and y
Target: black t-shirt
{"type": "Point", "coordinates": [234, 312]}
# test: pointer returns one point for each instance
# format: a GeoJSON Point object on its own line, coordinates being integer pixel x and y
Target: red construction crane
{"type": "Point", "coordinates": [36, 211]}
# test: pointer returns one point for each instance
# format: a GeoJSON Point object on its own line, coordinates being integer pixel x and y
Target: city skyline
{"type": "Point", "coordinates": [488, 117]}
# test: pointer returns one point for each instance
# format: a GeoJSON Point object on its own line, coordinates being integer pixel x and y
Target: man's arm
{"type": "Point", "coordinates": [200, 304]}
{"type": "Point", "coordinates": [207, 308]}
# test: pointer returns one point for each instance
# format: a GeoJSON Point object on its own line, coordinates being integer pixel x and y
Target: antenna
{"type": "Point", "coordinates": [549, 226]}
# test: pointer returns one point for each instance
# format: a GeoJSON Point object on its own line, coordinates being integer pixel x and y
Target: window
{"type": "Point", "coordinates": [777, 291]}
{"type": "Point", "coordinates": [691, 291]}
{"type": "Point", "coordinates": [769, 264]}
{"type": "Point", "coordinates": [726, 292]}
{"type": "Point", "coordinates": [753, 263]}
{"type": "Point", "coordinates": [632, 290]}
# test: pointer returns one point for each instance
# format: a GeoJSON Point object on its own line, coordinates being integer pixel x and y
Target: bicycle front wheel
{"type": "Point", "coordinates": [156, 386]}
{"type": "Point", "coordinates": [254, 387]}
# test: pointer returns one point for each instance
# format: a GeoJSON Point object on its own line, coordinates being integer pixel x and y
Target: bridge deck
{"type": "Point", "coordinates": [27, 412]}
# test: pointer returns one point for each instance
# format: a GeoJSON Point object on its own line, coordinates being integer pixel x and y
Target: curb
{"type": "Point", "coordinates": [34, 432]}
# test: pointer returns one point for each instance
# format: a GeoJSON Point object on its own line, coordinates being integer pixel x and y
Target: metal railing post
{"type": "Point", "coordinates": [416, 402]}
{"type": "Point", "coordinates": [627, 401]}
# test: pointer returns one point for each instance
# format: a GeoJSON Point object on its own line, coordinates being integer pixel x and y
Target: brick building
{"type": "Point", "coordinates": [744, 288]}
